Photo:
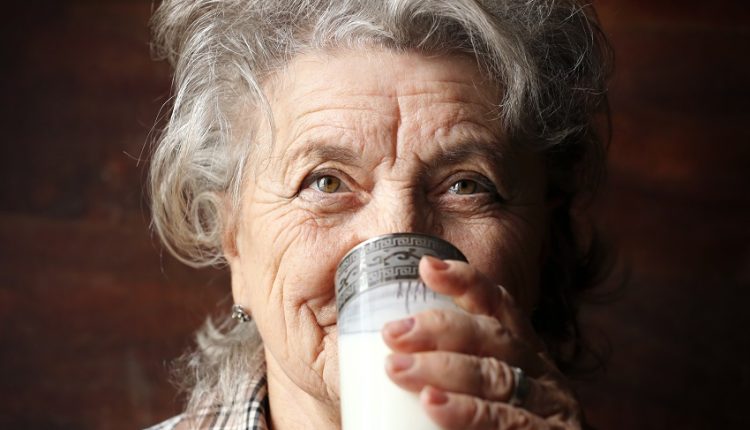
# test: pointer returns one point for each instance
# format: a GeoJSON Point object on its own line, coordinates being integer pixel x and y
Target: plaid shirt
{"type": "Point", "coordinates": [247, 414]}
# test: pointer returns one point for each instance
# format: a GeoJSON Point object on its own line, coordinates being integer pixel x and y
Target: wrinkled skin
{"type": "Point", "coordinates": [374, 142]}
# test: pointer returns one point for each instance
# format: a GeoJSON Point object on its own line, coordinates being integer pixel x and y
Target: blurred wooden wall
{"type": "Point", "coordinates": [678, 203]}
{"type": "Point", "coordinates": [91, 310]}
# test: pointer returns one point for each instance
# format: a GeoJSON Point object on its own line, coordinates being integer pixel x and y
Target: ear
{"type": "Point", "coordinates": [229, 229]}
{"type": "Point", "coordinates": [230, 249]}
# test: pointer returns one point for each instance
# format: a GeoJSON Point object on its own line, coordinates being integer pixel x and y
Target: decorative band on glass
{"type": "Point", "coordinates": [385, 259]}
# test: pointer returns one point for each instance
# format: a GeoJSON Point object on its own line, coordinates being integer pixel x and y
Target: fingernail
{"type": "Point", "coordinates": [436, 263]}
{"type": "Point", "coordinates": [434, 396]}
{"type": "Point", "coordinates": [400, 327]}
{"type": "Point", "coordinates": [400, 362]}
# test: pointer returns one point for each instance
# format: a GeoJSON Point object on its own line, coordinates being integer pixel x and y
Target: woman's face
{"type": "Point", "coordinates": [367, 143]}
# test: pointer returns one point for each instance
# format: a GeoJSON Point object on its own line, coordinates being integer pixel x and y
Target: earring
{"type": "Point", "coordinates": [240, 314]}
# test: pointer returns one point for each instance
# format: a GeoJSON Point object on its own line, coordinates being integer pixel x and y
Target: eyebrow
{"type": "Point", "coordinates": [470, 149]}
{"type": "Point", "coordinates": [320, 151]}
{"type": "Point", "coordinates": [485, 149]}
{"type": "Point", "coordinates": [467, 150]}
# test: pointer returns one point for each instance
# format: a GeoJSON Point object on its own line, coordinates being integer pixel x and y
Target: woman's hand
{"type": "Point", "coordinates": [460, 362]}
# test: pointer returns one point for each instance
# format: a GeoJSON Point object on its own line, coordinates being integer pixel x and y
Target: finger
{"type": "Point", "coordinates": [485, 378]}
{"type": "Point", "coordinates": [462, 412]}
{"type": "Point", "coordinates": [448, 330]}
{"type": "Point", "coordinates": [470, 289]}
{"type": "Point", "coordinates": [475, 293]}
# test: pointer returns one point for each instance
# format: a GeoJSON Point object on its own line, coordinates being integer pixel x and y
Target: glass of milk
{"type": "Point", "coordinates": [377, 282]}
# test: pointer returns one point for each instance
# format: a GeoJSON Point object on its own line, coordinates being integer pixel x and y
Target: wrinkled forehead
{"type": "Point", "coordinates": [381, 90]}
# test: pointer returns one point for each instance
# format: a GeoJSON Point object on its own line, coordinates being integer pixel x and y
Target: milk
{"type": "Point", "coordinates": [377, 282]}
{"type": "Point", "coordinates": [369, 399]}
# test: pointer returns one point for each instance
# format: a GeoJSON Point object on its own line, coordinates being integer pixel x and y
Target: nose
{"type": "Point", "coordinates": [399, 213]}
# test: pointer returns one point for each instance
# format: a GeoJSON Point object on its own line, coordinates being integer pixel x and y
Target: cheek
{"type": "Point", "coordinates": [308, 264]}
{"type": "Point", "coordinates": [293, 261]}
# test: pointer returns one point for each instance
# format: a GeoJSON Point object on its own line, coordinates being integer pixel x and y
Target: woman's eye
{"type": "Point", "coordinates": [466, 186]}
{"type": "Point", "coordinates": [327, 184]}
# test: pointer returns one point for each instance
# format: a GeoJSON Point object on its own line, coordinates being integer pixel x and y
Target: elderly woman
{"type": "Point", "coordinates": [300, 128]}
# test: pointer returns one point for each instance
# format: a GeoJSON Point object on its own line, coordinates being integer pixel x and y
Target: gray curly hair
{"type": "Point", "coordinates": [549, 56]}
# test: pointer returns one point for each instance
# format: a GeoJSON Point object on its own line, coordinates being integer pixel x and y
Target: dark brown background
{"type": "Point", "coordinates": [91, 311]}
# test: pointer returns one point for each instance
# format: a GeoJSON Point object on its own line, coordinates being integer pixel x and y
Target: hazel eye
{"type": "Point", "coordinates": [327, 184]}
{"type": "Point", "coordinates": [466, 186]}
